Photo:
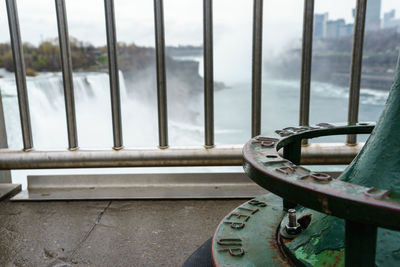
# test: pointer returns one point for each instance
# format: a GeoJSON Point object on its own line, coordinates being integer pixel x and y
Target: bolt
{"type": "Point", "coordinates": [292, 218]}
{"type": "Point", "coordinates": [293, 227]}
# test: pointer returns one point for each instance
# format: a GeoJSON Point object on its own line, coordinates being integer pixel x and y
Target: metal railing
{"type": "Point", "coordinates": [209, 154]}
{"type": "Point", "coordinates": [66, 66]}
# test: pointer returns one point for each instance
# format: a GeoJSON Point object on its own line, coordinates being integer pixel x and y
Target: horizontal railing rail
{"type": "Point", "coordinates": [209, 154]}
{"type": "Point", "coordinates": [318, 154]}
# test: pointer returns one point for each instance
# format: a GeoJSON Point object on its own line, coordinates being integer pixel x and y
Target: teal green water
{"type": "Point", "coordinates": [280, 108]}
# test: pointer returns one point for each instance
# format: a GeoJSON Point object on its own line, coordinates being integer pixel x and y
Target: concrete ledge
{"type": "Point", "coordinates": [8, 190]}
{"type": "Point", "coordinates": [140, 186]}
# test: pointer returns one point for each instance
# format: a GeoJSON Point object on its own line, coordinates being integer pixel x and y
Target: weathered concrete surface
{"type": "Point", "coordinates": [106, 233]}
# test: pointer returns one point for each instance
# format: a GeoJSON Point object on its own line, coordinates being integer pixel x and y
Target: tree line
{"type": "Point", "coordinates": [46, 56]}
{"type": "Point", "coordinates": [85, 57]}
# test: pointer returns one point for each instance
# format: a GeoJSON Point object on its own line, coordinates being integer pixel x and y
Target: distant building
{"type": "Point", "coordinates": [388, 16]}
{"type": "Point", "coordinates": [320, 21]}
{"type": "Point", "coordinates": [346, 30]}
{"type": "Point", "coordinates": [330, 29]}
{"type": "Point", "coordinates": [333, 28]}
{"type": "Point", "coordinates": [390, 21]}
{"type": "Point", "coordinates": [373, 19]}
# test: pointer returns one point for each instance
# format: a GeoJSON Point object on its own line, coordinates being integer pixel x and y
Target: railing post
{"type": "Point", "coordinates": [306, 61]}
{"type": "Point", "coordinates": [20, 75]}
{"type": "Point", "coordinates": [161, 76]}
{"type": "Point", "coordinates": [5, 176]}
{"type": "Point", "coordinates": [257, 68]}
{"type": "Point", "coordinates": [66, 65]}
{"type": "Point", "coordinates": [113, 73]}
{"type": "Point", "coordinates": [208, 73]}
{"type": "Point", "coordinates": [356, 66]}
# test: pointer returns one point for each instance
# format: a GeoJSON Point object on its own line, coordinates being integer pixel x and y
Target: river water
{"type": "Point", "coordinates": [280, 105]}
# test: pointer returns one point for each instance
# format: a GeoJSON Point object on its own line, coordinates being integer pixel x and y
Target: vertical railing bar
{"type": "Point", "coordinates": [306, 62]}
{"type": "Point", "coordinates": [256, 68]}
{"type": "Point", "coordinates": [5, 175]}
{"type": "Point", "coordinates": [113, 73]}
{"type": "Point", "coordinates": [161, 76]}
{"type": "Point", "coordinates": [356, 66]}
{"type": "Point", "coordinates": [20, 75]}
{"type": "Point", "coordinates": [208, 73]}
{"type": "Point", "coordinates": [66, 66]}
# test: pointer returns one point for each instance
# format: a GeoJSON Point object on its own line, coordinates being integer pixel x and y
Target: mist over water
{"type": "Point", "coordinates": [280, 105]}
{"type": "Point", "coordinates": [232, 111]}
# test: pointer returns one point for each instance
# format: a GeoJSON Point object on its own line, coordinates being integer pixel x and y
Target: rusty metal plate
{"type": "Point", "coordinates": [247, 235]}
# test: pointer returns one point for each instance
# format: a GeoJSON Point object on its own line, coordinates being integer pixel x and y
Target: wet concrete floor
{"type": "Point", "coordinates": [106, 233]}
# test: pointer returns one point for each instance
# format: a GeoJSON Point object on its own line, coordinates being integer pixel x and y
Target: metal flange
{"type": "Point", "coordinates": [318, 191]}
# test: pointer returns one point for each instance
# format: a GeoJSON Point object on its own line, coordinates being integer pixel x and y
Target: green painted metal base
{"type": "Point", "coordinates": [322, 242]}
{"type": "Point", "coordinates": [318, 244]}
{"type": "Point", "coordinates": [248, 235]}
{"type": "Point", "coordinates": [327, 239]}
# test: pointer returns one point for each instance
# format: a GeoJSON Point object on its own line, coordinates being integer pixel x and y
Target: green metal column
{"type": "Point", "coordinates": [292, 152]}
{"type": "Point", "coordinates": [360, 244]}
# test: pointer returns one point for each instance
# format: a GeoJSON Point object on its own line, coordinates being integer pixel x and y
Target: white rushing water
{"type": "Point", "coordinates": [93, 111]}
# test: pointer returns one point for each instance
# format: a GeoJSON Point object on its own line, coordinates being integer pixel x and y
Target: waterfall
{"type": "Point", "coordinates": [93, 109]}
{"type": "Point", "coordinates": [93, 113]}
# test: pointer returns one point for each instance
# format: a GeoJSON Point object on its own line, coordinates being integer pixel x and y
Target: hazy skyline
{"type": "Point", "coordinates": [183, 19]}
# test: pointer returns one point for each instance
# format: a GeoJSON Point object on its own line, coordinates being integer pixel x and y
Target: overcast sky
{"type": "Point", "coordinates": [183, 18]}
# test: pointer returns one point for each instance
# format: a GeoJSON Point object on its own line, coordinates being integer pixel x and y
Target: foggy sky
{"type": "Point", "coordinates": [183, 20]}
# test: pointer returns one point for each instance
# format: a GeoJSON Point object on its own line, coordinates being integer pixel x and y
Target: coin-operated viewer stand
{"type": "Point", "coordinates": [311, 219]}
